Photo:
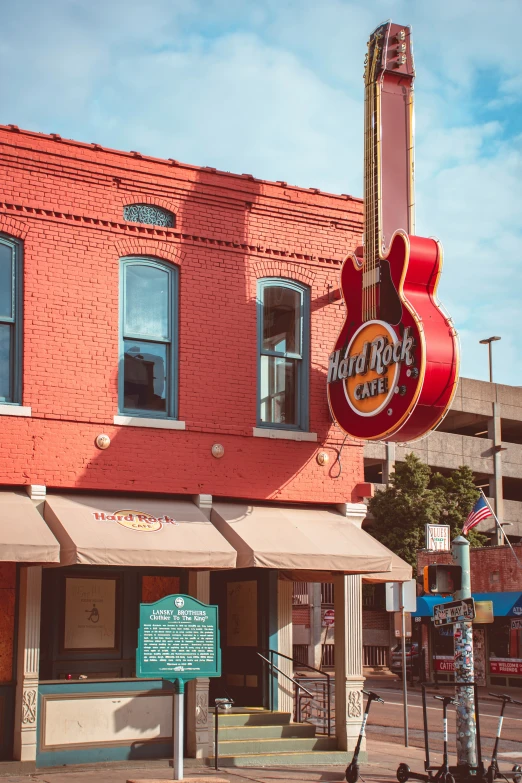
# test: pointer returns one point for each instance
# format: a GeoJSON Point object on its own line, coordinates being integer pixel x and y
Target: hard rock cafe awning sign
{"type": "Point", "coordinates": [394, 369]}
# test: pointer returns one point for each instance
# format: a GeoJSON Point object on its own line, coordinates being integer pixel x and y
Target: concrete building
{"type": "Point", "coordinates": [483, 430]}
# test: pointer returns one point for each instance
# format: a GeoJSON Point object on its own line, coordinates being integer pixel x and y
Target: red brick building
{"type": "Point", "coordinates": [187, 315]}
{"type": "Point", "coordinates": [496, 578]}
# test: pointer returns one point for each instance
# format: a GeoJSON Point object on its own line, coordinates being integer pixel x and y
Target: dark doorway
{"type": "Point", "coordinates": [247, 601]}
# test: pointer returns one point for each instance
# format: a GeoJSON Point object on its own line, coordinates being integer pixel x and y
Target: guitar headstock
{"type": "Point", "coordinates": [389, 49]}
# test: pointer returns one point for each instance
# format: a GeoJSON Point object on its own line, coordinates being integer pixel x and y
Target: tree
{"type": "Point", "coordinates": [416, 497]}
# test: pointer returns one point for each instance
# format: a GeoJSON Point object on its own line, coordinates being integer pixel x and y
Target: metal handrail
{"type": "Point", "coordinates": [297, 684]}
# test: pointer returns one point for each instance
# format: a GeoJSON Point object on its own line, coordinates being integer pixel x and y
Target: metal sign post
{"type": "Point", "coordinates": [404, 677]}
{"type": "Point", "coordinates": [178, 640]}
{"type": "Point", "coordinates": [177, 729]}
{"type": "Point", "coordinates": [464, 666]}
{"type": "Point", "coordinates": [402, 597]}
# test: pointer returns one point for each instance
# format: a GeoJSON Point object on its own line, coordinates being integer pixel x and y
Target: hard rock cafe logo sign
{"type": "Point", "coordinates": [369, 366]}
{"type": "Point", "coordinates": [135, 520]}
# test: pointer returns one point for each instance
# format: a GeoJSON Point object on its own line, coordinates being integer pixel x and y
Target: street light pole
{"type": "Point", "coordinates": [487, 341]}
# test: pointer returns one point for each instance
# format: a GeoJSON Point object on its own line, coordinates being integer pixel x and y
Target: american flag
{"type": "Point", "coordinates": [480, 511]}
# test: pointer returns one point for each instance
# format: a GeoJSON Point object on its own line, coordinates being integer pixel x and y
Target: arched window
{"type": "Point", "coordinates": [283, 348]}
{"type": "Point", "coordinates": [149, 214]}
{"type": "Point", "coordinates": [149, 338]}
{"type": "Point", "coordinates": [10, 320]}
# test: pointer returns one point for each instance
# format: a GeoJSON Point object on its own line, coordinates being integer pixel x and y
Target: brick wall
{"type": "Point", "coordinates": [493, 568]}
{"type": "Point", "coordinates": [301, 615]}
{"type": "Point", "coordinates": [65, 201]}
{"type": "Point", "coordinates": [376, 619]}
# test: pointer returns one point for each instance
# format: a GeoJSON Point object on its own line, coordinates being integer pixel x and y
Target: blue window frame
{"type": "Point", "coordinates": [10, 320]}
{"type": "Point", "coordinates": [148, 338]}
{"type": "Point", "coordinates": [283, 308]}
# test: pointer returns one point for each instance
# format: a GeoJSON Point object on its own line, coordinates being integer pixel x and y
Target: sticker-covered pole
{"type": "Point", "coordinates": [179, 691]}
{"type": "Point", "coordinates": [464, 666]}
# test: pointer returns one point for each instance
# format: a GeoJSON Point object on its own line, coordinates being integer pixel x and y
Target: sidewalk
{"type": "Point", "coordinates": [385, 758]}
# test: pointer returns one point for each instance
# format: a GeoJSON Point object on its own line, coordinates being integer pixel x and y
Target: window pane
{"type": "Point", "coordinates": [145, 376]}
{"type": "Point", "coordinates": [146, 301]}
{"type": "Point", "coordinates": [278, 390]}
{"type": "Point", "coordinates": [5, 361]}
{"type": "Point", "coordinates": [6, 281]}
{"type": "Point", "coordinates": [281, 320]}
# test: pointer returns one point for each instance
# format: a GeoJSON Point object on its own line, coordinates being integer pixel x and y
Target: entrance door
{"type": "Point", "coordinates": [243, 597]}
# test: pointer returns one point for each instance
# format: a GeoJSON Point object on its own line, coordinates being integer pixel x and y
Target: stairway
{"type": "Point", "coordinates": [262, 738]}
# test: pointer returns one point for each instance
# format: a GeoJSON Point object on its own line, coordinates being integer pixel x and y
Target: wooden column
{"type": "Point", "coordinates": [198, 731]}
{"type": "Point", "coordinates": [349, 678]}
{"type": "Point", "coordinates": [27, 665]}
{"type": "Point", "coordinates": [285, 645]}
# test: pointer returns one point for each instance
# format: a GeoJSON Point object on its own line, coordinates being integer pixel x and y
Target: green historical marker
{"type": "Point", "coordinates": [178, 640]}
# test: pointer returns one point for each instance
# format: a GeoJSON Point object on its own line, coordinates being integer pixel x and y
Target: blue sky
{"type": "Point", "coordinates": [274, 88]}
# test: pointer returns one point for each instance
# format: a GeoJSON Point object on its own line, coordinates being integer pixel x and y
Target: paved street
{"type": "Point", "coordinates": [386, 722]}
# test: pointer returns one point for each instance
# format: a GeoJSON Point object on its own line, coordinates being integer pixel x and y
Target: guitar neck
{"type": "Point", "coordinates": [388, 150]}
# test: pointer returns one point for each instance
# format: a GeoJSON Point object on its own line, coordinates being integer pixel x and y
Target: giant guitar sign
{"type": "Point", "coordinates": [394, 369]}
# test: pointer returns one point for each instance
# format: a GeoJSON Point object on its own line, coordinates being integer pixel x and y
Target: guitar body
{"type": "Point", "coordinates": [392, 377]}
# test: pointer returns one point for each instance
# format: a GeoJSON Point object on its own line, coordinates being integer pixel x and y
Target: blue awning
{"type": "Point", "coordinates": [504, 604]}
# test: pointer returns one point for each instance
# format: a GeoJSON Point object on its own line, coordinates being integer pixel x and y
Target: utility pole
{"type": "Point", "coordinates": [464, 666]}
{"type": "Point", "coordinates": [404, 675]}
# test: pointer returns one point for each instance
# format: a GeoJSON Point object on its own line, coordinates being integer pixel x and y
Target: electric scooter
{"type": "Point", "coordinates": [352, 770]}
{"type": "Point", "coordinates": [493, 770]}
{"type": "Point", "coordinates": [443, 772]}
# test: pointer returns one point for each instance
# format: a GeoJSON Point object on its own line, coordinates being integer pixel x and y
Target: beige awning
{"type": "Point", "coordinates": [401, 571]}
{"type": "Point", "coordinates": [24, 536]}
{"type": "Point", "coordinates": [132, 531]}
{"type": "Point", "coordinates": [293, 538]}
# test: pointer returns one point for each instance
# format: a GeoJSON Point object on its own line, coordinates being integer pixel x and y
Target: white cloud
{"type": "Point", "coordinates": [275, 89]}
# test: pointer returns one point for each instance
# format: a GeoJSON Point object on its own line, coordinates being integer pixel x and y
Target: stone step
{"type": "Point", "coordinates": [280, 745]}
{"type": "Point", "coordinates": [309, 759]}
{"type": "Point", "coordinates": [261, 718]}
{"type": "Point", "coordinates": [266, 732]}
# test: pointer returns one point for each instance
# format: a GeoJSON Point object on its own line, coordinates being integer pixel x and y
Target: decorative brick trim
{"type": "Point", "coordinates": [283, 269]}
{"type": "Point", "coordinates": [15, 228]}
{"type": "Point", "coordinates": [139, 246]}
{"type": "Point", "coordinates": [155, 201]}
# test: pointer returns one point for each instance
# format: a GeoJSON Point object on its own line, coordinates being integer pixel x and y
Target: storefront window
{"type": "Point", "coordinates": [90, 614]}
{"type": "Point", "coordinates": [505, 638]}
{"type": "Point", "coordinates": [283, 354]}
{"type": "Point", "coordinates": [148, 369]}
{"type": "Point", "coordinates": [443, 640]}
{"type": "Point", "coordinates": [10, 320]}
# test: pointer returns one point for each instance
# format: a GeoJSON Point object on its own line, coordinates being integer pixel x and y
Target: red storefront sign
{"type": "Point", "coordinates": [444, 663]}
{"type": "Point", "coordinates": [505, 666]}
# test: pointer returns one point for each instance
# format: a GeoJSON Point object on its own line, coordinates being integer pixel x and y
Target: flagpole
{"type": "Point", "coordinates": [506, 539]}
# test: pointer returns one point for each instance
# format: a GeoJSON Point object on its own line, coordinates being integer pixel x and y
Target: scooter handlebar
{"type": "Point", "coordinates": [373, 696]}
{"type": "Point", "coordinates": [506, 698]}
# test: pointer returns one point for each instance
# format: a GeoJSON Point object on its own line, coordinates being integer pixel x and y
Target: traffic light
{"type": "Point", "coordinates": [442, 579]}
